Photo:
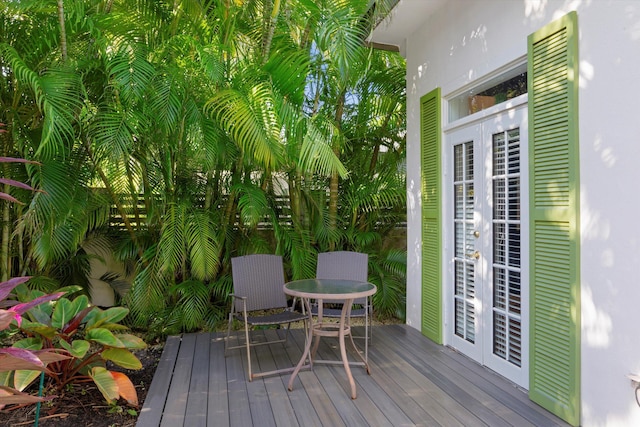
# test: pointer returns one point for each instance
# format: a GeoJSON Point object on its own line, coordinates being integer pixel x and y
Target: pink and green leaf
{"type": "Point", "coordinates": [7, 287]}
{"type": "Point", "coordinates": [12, 359]}
{"type": "Point", "coordinates": [6, 317]}
{"type": "Point", "coordinates": [23, 307]}
{"type": "Point", "coordinates": [15, 183]}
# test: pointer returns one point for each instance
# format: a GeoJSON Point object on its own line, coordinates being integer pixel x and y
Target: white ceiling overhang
{"type": "Point", "coordinates": [403, 20]}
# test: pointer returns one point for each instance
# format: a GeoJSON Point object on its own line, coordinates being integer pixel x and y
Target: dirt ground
{"type": "Point", "coordinates": [84, 405]}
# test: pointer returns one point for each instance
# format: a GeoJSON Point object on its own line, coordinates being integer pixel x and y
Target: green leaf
{"type": "Point", "coordinates": [115, 327]}
{"type": "Point", "coordinates": [22, 379]}
{"type": "Point", "coordinates": [121, 357]}
{"type": "Point", "coordinates": [104, 337]}
{"type": "Point", "coordinates": [79, 304]}
{"type": "Point", "coordinates": [5, 378]}
{"type": "Point", "coordinates": [39, 328]}
{"type": "Point", "coordinates": [98, 318]}
{"type": "Point", "coordinates": [62, 313]}
{"type": "Point", "coordinates": [33, 343]}
{"type": "Point", "coordinates": [105, 382]}
{"type": "Point", "coordinates": [114, 314]}
{"type": "Point", "coordinates": [41, 313]}
{"type": "Point", "coordinates": [131, 341]}
{"type": "Point", "coordinates": [77, 348]}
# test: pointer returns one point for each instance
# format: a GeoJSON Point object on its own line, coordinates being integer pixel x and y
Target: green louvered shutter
{"type": "Point", "coordinates": [430, 132]}
{"type": "Point", "coordinates": [554, 380]}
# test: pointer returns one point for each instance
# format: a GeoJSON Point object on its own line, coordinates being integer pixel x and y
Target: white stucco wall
{"type": "Point", "coordinates": [465, 40]}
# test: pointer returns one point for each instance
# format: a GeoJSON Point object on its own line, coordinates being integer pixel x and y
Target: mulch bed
{"type": "Point", "coordinates": [84, 405]}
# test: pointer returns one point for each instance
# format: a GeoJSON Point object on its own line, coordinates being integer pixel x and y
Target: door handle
{"type": "Point", "coordinates": [474, 255]}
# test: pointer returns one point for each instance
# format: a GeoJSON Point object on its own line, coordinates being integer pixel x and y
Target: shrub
{"type": "Point", "coordinates": [91, 337]}
{"type": "Point", "coordinates": [19, 358]}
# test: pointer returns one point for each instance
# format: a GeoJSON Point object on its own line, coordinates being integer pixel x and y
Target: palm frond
{"type": "Point", "coordinates": [252, 204]}
{"type": "Point", "coordinates": [193, 303]}
{"type": "Point", "coordinates": [203, 246]}
{"type": "Point", "coordinates": [132, 73]}
{"type": "Point", "coordinates": [316, 153]}
{"type": "Point", "coordinates": [147, 295]}
{"type": "Point", "coordinates": [172, 239]}
{"type": "Point", "coordinates": [251, 123]}
{"type": "Point", "coordinates": [112, 134]}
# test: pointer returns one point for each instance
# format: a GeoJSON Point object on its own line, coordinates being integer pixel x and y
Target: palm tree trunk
{"type": "Point", "coordinates": [333, 183]}
{"type": "Point", "coordinates": [270, 27]}
{"type": "Point", "coordinates": [63, 31]}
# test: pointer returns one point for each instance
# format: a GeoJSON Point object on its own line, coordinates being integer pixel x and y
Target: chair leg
{"type": "Point", "coordinates": [247, 344]}
{"type": "Point", "coordinates": [226, 341]}
{"type": "Point", "coordinates": [366, 332]}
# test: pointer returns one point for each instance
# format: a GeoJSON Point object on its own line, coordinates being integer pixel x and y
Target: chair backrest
{"type": "Point", "coordinates": [260, 278]}
{"type": "Point", "coordinates": [344, 265]}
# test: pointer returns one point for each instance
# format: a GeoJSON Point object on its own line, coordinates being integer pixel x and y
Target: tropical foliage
{"type": "Point", "coordinates": [17, 358]}
{"type": "Point", "coordinates": [91, 337]}
{"type": "Point", "coordinates": [174, 135]}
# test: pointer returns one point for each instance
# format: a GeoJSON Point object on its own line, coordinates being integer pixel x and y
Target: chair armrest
{"type": "Point", "coordinates": [238, 297]}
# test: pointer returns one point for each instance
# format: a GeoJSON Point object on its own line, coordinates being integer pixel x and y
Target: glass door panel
{"type": "Point", "coordinates": [506, 281]}
{"type": "Point", "coordinates": [464, 206]}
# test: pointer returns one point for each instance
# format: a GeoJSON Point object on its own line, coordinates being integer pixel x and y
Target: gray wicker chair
{"type": "Point", "coordinates": [259, 300]}
{"type": "Point", "coordinates": [347, 265]}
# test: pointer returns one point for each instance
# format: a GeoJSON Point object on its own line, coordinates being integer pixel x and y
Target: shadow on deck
{"type": "Point", "coordinates": [413, 382]}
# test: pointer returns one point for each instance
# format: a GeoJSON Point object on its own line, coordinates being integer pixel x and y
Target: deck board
{"type": "Point", "coordinates": [413, 382]}
{"type": "Point", "coordinates": [196, 412]}
{"type": "Point", "coordinates": [153, 407]}
{"type": "Point", "coordinates": [176, 406]}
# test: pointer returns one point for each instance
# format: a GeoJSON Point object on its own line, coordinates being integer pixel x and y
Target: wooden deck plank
{"type": "Point", "coordinates": [383, 386]}
{"type": "Point", "coordinates": [371, 412]}
{"type": "Point", "coordinates": [463, 380]}
{"type": "Point", "coordinates": [303, 408]}
{"type": "Point", "coordinates": [504, 395]}
{"type": "Point", "coordinates": [309, 383]}
{"type": "Point", "coordinates": [337, 387]}
{"type": "Point", "coordinates": [513, 396]}
{"type": "Point", "coordinates": [239, 415]}
{"type": "Point", "coordinates": [174, 410]}
{"type": "Point", "coordinates": [277, 392]}
{"type": "Point", "coordinates": [218, 397]}
{"type": "Point", "coordinates": [453, 384]}
{"type": "Point", "coordinates": [259, 404]}
{"type": "Point", "coordinates": [445, 410]}
{"type": "Point", "coordinates": [196, 411]}
{"type": "Point", "coordinates": [153, 407]}
{"type": "Point", "coordinates": [413, 381]}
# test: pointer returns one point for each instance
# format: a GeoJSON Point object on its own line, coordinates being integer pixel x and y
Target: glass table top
{"type": "Point", "coordinates": [329, 287]}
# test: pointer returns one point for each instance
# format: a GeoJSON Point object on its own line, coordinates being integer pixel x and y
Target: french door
{"type": "Point", "coordinates": [486, 275]}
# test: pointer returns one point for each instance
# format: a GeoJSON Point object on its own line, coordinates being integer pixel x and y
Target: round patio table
{"type": "Point", "coordinates": [344, 291]}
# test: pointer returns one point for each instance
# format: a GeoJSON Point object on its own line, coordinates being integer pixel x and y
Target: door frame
{"type": "Point", "coordinates": [484, 354]}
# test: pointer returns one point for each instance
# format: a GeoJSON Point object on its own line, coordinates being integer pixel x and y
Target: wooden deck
{"type": "Point", "coordinates": [413, 382]}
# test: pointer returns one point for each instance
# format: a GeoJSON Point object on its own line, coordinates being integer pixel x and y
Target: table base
{"type": "Point", "coordinates": [325, 329]}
